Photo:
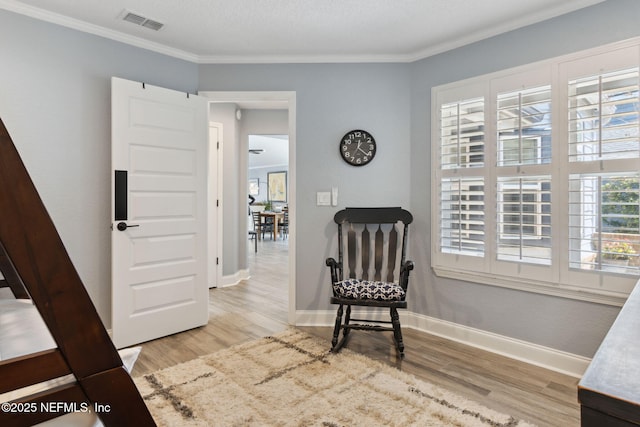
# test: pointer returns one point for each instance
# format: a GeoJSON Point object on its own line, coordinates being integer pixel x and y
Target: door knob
{"type": "Point", "coordinates": [123, 226]}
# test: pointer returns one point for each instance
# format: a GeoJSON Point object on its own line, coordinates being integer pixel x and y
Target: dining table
{"type": "Point", "coordinates": [276, 218]}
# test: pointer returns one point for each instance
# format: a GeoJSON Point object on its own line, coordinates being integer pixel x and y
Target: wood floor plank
{"type": "Point", "coordinates": [257, 307]}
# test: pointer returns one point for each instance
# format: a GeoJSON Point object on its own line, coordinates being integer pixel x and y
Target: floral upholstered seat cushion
{"type": "Point", "coordinates": [368, 289]}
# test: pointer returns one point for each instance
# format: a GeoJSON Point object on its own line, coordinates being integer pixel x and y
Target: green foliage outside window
{"type": "Point", "coordinates": [620, 209]}
{"type": "Point", "coordinates": [618, 250]}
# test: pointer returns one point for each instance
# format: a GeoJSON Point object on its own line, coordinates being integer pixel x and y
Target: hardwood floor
{"type": "Point", "coordinates": [258, 307]}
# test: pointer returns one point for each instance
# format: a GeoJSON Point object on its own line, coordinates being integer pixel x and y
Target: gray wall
{"type": "Point", "coordinates": [332, 99]}
{"type": "Point", "coordinates": [55, 99]}
{"type": "Point", "coordinates": [573, 326]}
{"type": "Point", "coordinates": [225, 113]}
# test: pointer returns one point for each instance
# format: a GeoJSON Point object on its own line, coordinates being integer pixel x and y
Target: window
{"type": "Point", "coordinates": [603, 127]}
{"type": "Point", "coordinates": [524, 219]}
{"type": "Point", "coordinates": [524, 123]}
{"type": "Point", "coordinates": [463, 134]}
{"type": "Point", "coordinates": [463, 216]}
{"type": "Point", "coordinates": [537, 177]}
{"type": "Point", "coordinates": [462, 213]}
{"type": "Point", "coordinates": [603, 116]}
{"type": "Point", "coordinates": [519, 150]}
{"type": "Point", "coordinates": [603, 229]}
{"type": "Point", "coordinates": [524, 204]}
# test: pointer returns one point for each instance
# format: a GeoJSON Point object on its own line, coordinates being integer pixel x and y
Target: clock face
{"type": "Point", "coordinates": [357, 147]}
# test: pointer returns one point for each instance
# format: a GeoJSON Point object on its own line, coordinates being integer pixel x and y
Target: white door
{"type": "Point", "coordinates": [159, 212]}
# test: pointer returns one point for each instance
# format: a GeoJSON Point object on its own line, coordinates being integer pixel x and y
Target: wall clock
{"type": "Point", "coordinates": [358, 147]}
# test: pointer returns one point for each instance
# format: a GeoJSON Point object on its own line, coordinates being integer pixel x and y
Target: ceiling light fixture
{"type": "Point", "coordinates": [136, 19]}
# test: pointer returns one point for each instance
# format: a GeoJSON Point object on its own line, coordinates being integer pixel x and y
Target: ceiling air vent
{"type": "Point", "coordinates": [154, 25]}
{"type": "Point", "coordinates": [134, 18]}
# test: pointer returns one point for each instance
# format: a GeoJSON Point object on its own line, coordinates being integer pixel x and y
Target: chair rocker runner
{"type": "Point", "coordinates": [369, 237]}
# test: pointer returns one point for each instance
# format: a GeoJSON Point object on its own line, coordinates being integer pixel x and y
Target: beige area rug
{"type": "Point", "coordinates": [291, 379]}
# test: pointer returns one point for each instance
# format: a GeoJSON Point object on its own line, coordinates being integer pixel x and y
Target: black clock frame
{"type": "Point", "coordinates": [357, 152]}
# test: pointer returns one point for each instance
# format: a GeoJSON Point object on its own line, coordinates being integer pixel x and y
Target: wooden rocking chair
{"type": "Point", "coordinates": [369, 238]}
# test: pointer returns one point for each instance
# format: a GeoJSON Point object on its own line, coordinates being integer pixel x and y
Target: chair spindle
{"type": "Point", "coordinates": [379, 243]}
{"type": "Point", "coordinates": [366, 249]}
{"type": "Point", "coordinates": [393, 248]}
{"type": "Point", "coordinates": [351, 243]}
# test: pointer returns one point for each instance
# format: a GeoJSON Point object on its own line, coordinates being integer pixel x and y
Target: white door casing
{"type": "Point", "coordinates": [159, 262]}
{"type": "Point", "coordinates": [275, 100]}
{"type": "Point", "coordinates": [214, 204]}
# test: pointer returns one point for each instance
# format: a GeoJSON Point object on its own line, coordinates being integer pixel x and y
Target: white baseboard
{"type": "Point", "coordinates": [534, 354]}
{"type": "Point", "coordinates": [328, 317]}
{"type": "Point", "coordinates": [234, 279]}
{"type": "Point", "coordinates": [315, 317]}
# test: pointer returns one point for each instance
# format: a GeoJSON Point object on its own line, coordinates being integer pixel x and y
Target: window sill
{"type": "Point", "coordinates": [616, 299]}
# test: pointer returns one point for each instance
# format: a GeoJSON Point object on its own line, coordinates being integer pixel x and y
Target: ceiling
{"type": "Point", "coordinates": [275, 151]}
{"type": "Point", "coordinates": [278, 31]}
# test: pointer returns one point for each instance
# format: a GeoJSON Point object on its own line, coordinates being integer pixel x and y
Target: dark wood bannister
{"type": "Point", "coordinates": [35, 264]}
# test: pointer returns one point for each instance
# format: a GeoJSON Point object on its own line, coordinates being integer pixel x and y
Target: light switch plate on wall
{"type": "Point", "coordinates": [323, 198]}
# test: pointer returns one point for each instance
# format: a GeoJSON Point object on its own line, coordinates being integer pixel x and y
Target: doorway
{"type": "Point", "coordinates": [267, 173]}
{"type": "Point", "coordinates": [246, 101]}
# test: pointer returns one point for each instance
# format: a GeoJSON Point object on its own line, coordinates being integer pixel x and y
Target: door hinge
{"type": "Point", "coordinates": [218, 145]}
{"type": "Point", "coordinates": [217, 203]}
{"type": "Point", "coordinates": [217, 261]}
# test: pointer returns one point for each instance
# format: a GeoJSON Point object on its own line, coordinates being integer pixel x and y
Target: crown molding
{"type": "Point", "coordinates": [559, 9]}
{"type": "Point", "coordinates": [85, 27]}
{"type": "Point", "coordinates": [303, 59]}
{"type": "Point", "coordinates": [47, 16]}
{"type": "Point", "coordinates": [75, 24]}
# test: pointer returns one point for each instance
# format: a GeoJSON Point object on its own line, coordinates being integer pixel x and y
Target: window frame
{"type": "Point", "coordinates": [557, 279]}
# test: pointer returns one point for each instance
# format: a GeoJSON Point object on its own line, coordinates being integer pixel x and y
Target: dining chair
{"type": "Point", "coordinates": [283, 225]}
{"type": "Point", "coordinates": [261, 227]}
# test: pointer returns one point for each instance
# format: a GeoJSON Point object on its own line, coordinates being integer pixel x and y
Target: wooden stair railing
{"type": "Point", "coordinates": [33, 250]}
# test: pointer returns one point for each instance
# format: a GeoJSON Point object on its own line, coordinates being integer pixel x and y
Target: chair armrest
{"type": "Point", "coordinates": [335, 268]}
{"type": "Point", "coordinates": [404, 274]}
{"type": "Point", "coordinates": [407, 266]}
{"type": "Point", "coordinates": [331, 262]}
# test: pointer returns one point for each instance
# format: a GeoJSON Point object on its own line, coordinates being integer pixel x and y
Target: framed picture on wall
{"type": "Point", "coordinates": [277, 186]}
{"type": "Point", "coordinates": [254, 186]}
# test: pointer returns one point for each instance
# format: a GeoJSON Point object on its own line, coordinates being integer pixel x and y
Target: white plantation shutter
{"type": "Point", "coordinates": [524, 124]}
{"type": "Point", "coordinates": [603, 116]}
{"type": "Point", "coordinates": [523, 140]}
{"type": "Point", "coordinates": [462, 134]}
{"type": "Point", "coordinates": [461, 190]}
{"type": "Point", "coordinates": [536, 180]}
{"type": "Point", "coordinates": [524, 219]}
{"type": "Point", "coordinates": [603, 139]}
{"type": "Point", "coordinates": [462, 216]}
{"type": "Point", "coordinates": [603, 223]}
